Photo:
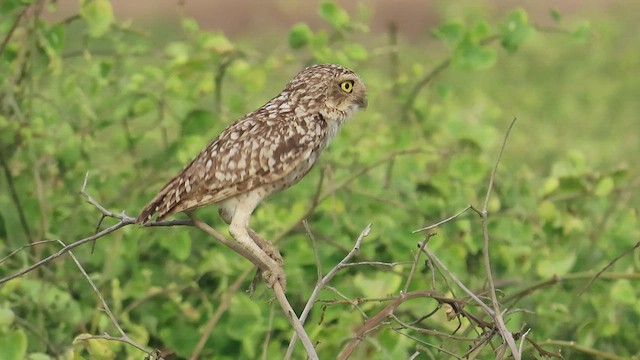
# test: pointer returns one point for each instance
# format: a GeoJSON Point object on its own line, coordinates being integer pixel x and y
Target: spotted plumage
{"type": "Point", "coordinates": [269, 149]}
{"type": "Point", "coordinates": [265, 151]}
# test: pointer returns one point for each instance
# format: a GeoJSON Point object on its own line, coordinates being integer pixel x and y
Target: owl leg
{"type": "Point", "coordinates": [227, 212]}
{"type": "Point", "coordinates": [267, 246]}
{"type": "Point", "coordinates": [272, 271]}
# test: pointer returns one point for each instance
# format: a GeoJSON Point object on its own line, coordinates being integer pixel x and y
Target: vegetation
{"type": "Point", "coordinates": [95, 95]}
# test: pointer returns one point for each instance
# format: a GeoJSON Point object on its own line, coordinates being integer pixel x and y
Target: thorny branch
{"type": "Point", "coordinates": [322, 282]}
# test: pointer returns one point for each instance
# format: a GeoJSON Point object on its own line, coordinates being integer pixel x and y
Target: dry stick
{"type": "Point", "coordinates": [610, 264]}
{"type": "Point", "coordinates": [595, 354]}
{"type": "Point", "coordinates": [277, 287]}
{"type": "Point", "coordinates": [314, 247]}
{"type": "Point", "coordinates": [24, 247]}
{"type": "Point", "coordinates": [415, 262]}
{"type": "Point", "coordinates": [64, 250]}
{"type": "Point", "coordinates": [504, 332]}
{"type": "Point", "coordinates": [322, 283]}
{"type": "Point", "coordinates": [375, 321]}
{"type": "Point", "coordinates": [265, 343]}
{"type": "Point", "coordinates": [427, 228]}
{"type": "Point", "coordinates": [224, 305]}
{"type": "Point", "coordinates": [443, 267]}
{"type": "Point", "coordinates": [123, 336]}
{"type": "Point", "coordinates": [124, 220]}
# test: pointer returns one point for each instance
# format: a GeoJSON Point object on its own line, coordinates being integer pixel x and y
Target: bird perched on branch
{"type": "Point", "coordinates": [265, 151]}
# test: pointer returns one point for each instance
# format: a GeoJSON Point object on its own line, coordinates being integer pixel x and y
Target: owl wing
{"type": "Point", "coordinates": [257, 150]}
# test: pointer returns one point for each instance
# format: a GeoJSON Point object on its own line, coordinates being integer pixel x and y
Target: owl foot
{"type": "Point", "coordinates": [275, 275]}
{"type": "Point", "coordinates": [267, 247]}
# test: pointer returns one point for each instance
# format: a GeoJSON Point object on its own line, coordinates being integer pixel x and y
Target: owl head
{"type": "Point", "coordinates": [332, 90]}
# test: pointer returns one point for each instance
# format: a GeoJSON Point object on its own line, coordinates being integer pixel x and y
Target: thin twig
{"type": "Point", "coordinates": [14, 196]}
{"type": "Point", "coordinates": [314, 247]}
{"type": "Point", "coordinates": [504, 332]}
{"type": "Point", "coordinates": [376, 321]}
{"type": "Point", "coordinates": [295, 322]}
{"type": "Point", "coordinates": [443, 267]}
{"type": "Point", "coordinates": [414, 266]}
{"type": "Point", "coordinates": [322, 283]}
{"type": "Point", "coordinates": [277, 287]}
{"type": "Point", "coordinates": [24, 247]}
{"type": "Point", "coordinates": [609, 265]}
{"type": "Point", "coordinates": [64, 250]}
{"type": "Point", "coordinates": [123, 336]}
{"type": "Point", "coordinates": [265, 344]}
{"type": "Point", "coordinates": [427, 228]}
{"type": "Point", "coordinates": [13, 28]}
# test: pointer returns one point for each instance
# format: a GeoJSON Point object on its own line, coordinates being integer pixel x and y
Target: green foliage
{"type": "Point", "coordinates": [94, 94]}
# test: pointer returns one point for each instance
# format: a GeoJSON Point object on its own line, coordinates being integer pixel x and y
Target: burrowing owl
{"type": "Point", "coordinates": [265, 151]}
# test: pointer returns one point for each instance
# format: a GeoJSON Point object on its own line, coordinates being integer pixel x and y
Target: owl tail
{"type": "Point", "coordinates": [164, 204]}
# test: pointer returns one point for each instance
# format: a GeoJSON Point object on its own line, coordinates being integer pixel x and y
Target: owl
{"type": "Point", "coordinates": [263, 152]}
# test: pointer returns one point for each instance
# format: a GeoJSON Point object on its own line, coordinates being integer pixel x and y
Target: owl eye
{"type": "Point", "coordinates": [347, 86]}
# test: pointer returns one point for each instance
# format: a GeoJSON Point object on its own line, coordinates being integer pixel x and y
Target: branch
{"type": "Point", "coordinates": [12, 29]}
{"type": "Point", "coordinates": [610, 264]}
{"type": "Point", "coordinates": [123, 336]}
{"type": "Point", "coordinates": [323, 282]}
{"type": "Point", "coordinates": [504, 332]}
{"type": "Point", "coordinates": [427, 228]}
{"type": "Point", "coordinates": [277, 287]}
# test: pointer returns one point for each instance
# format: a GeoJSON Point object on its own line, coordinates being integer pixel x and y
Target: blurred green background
{"type": "Point", "coordinates": [131, 91]}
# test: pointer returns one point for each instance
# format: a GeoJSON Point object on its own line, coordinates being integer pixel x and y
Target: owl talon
{"type": "Point", "coordinates": [275, 275]}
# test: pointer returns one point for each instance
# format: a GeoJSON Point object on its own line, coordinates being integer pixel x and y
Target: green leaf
{"type": "Point", "coordinates": [178, 51]}
{"type": "Point", "coordinates": [13, 345]}
{"type": "Point", "coordinates": [38, 356]}
{"type": "Point", "coordinates": [582, 32]}
{"type": "Point", "coordinates": [550, 185]}
{"type": "Point", "coordinates": [55, 36]}
{"type": "Point", "coordinates": [299, 35]}
{"type": "Point", "coordinates": [555, 15]}
{"type": "Point", "coordinates": [467, 167]}
{"type": "Point", "coordinates": [623, 291]}
{"type": "Point", "coordinates": [334, 14]}
{"type": "Point", "coordinates": [190, 25]}
{"type": "Point", "coordinates": [6, 317]}
{"type": "Point", "coordinates": [516, 30]}
{"type": "Point", "coordinates": [181, 337]}
{"type": "Point", "coordinates": [356, 52]}
{"type": "Point", "coordinates": [473, 56]}
{"type": "Point", "coordinates": [378, 284]}
{"type": "Point", "coordinates": [217, 42]}
{"type": "Point", "coordinates": [196, 122]}
{"type": "Point", "coordinates": [99, 15]}
{"type": "Point", "coordinates": [179, 245]}
{"type": "Point", "coordinates": [450, 33]}
{"type": "Point", "coordinates": [605, 186]}
{"type": "Point", "coordinates": [556, 263]}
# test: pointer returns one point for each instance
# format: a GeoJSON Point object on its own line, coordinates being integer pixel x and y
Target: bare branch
{"type": "Point", "coordinates": [442, 266]}
{"type": "Point", "coordinates": [609, 265]}
{"type": "Point", "coordinates": [421, 246]}
{"type": "Point", "coordinates": [504, 332]}
{"type": "Point", "coordinates": [64, 250]}
{"type": "Point", "coordinates": [322, 283]}
{"type": "Point", "coordinates": [314, 247]}
{"type": "Point", "coordinates": [427, 228]}
{"type": "Point", "coordinates": [123, 336]}
{"type": "Point", "coordinates": [277, 287]}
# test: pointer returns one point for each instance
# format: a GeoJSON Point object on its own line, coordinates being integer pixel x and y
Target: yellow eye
{"type": "Point", "coordinates": [347, 86]}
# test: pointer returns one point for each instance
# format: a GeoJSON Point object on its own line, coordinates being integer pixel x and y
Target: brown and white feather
{"type": "Point", "coordinates": [269, 149]}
